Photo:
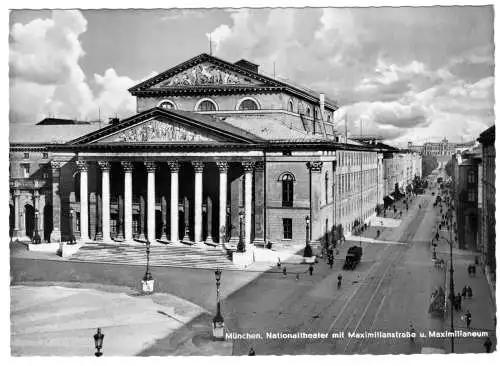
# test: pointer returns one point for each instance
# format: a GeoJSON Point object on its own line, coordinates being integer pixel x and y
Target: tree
{"type": "Point", "coordinates": [429, 163]}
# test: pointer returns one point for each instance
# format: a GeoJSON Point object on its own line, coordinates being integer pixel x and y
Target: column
{"type": "Point", "coordinates": [259, 203]}
{"type": "Point", "coordinates": [223, 168]}
{"type": "Point", "coordinates": [84, 205]}
{"type": "Point", "coordinates": [15, 233]}
{"type": "Point", "coordinates": [248, 168]}
{"type": "Point", "coordinates": [174, 201]}
{"type": "Point", "coordinates": [198, 201]}
{"type": "Point", "coordinates": [105, 168]}
{"type": "Point", "coordinates": [315, 196]}
{"type": "Point", "coordinates": [128, 168]}
{"type": "Point", "coordinates": [151, 168]}
{"type": "Point", "coordinates": [55, 236]}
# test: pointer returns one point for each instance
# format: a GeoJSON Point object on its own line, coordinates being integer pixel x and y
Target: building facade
{"type": "Point", "coordinates": [487, 235]}
{"type": "Point", "coordinates": [216, 152]}
{"type": "Point", "coordinates": [442, 148]}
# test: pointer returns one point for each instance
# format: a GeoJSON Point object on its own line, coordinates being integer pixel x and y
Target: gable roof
{"type": "Point", "coordinates": [203, 122]}
{"type": "Point", "coordinates": [236, 67]}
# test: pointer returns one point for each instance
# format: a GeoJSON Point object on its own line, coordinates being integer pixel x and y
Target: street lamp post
{"type": "Point", "coordinates": [218, 321]}
{"type": "Point", "coordinates": [308, 221]}
{"type": "Point", "coordinates": [98, 338]}
{"type": "Point", "coordinates": [36, 237]}
{"type": "Point", "coordinates": [72, 239]}
{"type": "Point", "coordinates": [241, 243]}
{"type": "Point", "coordinates": [147, 280]}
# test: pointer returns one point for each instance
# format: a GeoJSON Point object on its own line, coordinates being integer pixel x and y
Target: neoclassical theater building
{"type": "Point", "coordinates": [215, 149]}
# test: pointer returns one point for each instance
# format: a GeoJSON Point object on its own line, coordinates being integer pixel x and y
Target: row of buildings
{"type": "Point", "coordinates": [216, 151]}
{"type": "Point", "coordinates": [442, 148]}
{"type": "Point", "coordinates": [473, 186]}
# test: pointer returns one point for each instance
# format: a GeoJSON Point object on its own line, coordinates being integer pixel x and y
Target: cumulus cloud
{"type": "Point", "coordinates": [400, 72]}
{"type": "Point", "coordinates": [46, 77]}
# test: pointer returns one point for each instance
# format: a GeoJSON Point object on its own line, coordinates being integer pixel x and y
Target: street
{"type": "Point", "coordinates": [387, 292]}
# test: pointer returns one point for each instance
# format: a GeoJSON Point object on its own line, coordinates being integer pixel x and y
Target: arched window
{"type": "Point", "coordinates": [287, 180]}
{"type": "Point", "coordinates": [206, 105]}
{"type": "Point", "coordinates": [329, 118]}
{"type": "Point", "coordinates": [308, 111]}
{"type": "Point", "coordinates": [290, 106]}
{"type": "Point", "coordinates": [248, 105]}
{"type": "Point", "coordinates": [326, 187]}
{"type": "Point", "coordinates": [167, 104]}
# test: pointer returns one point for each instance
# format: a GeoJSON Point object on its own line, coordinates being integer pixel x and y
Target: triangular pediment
{"type": "Point", "coordinates": [160, 126]}
{"type": "Point", "coordinates": [160, 130]}
{"type": "Point", "coordinates": [206, 74]}
{"type": "Point", "coordinates": [205, 71]}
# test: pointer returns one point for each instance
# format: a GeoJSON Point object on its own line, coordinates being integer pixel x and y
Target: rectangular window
{"type": "Point", "coordinates": [25, 170]}
{"type": "Point", "coordinates": [471, 193]}
{"type": "Point", "coordinates": [26, 155]}
{"type": "Point", "coordinates": [287, 228]}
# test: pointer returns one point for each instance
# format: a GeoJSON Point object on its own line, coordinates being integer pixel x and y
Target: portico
{"type": "Point", "coordinates": [198, 169]}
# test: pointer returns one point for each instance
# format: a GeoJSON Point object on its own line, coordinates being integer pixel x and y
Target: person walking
{"type": "Point", "coordinates": [487, 345]}
{"type": "Point", "coordinates": [459, 302]}
{"type": "Point", "coordinates": [468, 318]}
{"type": "Point", "coordinates": [311, 268]}
{"type": "Point", "coordinates": [330, 260]}
{"type": "Point", "coordinates": [339, 281]}
{"type": "Point", "coordinates": [464, 291]}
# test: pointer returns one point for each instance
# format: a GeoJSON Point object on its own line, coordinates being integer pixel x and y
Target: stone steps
{"type": "Point", "coordinates": [160, 255]}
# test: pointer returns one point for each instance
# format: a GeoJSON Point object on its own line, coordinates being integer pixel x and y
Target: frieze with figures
{"type": "Point", "coordinates": [205, 74]}
{"type": "Point", "coordinates": [156, 131]}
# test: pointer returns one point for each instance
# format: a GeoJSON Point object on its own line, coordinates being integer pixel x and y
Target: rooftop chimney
{"type": "Point", "coordinates": [247, 65]}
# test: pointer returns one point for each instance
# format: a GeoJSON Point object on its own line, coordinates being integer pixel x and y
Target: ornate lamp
{"type": "Point", "coordinates": [72, 239]}
{"type": "Point", "coordinates": [36, 237]}
{"type": "Point", "coordinates": [218, 320]}
{"type": "Point", "coordinates": [241, 243]}
{"type": "Point", "coordinates": [98, 338]}
{"type": "Point", "coordinates": [147, 280]}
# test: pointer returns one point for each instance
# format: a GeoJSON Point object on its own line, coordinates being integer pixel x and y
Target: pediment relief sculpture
{"type": "Point", "coordinates": [156, 131]}
{"type": "Point", "coordinates": [205, 74]}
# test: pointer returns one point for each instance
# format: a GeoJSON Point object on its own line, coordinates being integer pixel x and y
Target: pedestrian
{"type": "Point", "coordinates": [311, 270]}
{"type": "Point", "coordinates": [339, 281]}
{"type": "Point", "coordinates": [284, 271]}
{"type": "Point", "coordinates": [464, 292]}
{"type": "Point", "coordinates": [487, 345]}
{"type": "Point", "coordinates": [297, 277]}
{"type": "Point", "coordinates": [473, 270]}
{"type": "Point", "coordinates": [330, 260]}
{"type": "Point", "coordinates": [459, 302]}
{"type": "Point", "coordinates": [279, 263]}
{"type": "Point", "coordinates": [468, 318]}
{"type": "Point", "coordinates": [469, 292]}
{"type": "Point", "coordinates": [251, 352]}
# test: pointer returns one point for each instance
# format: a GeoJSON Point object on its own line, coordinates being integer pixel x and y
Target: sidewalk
{"type": "Point", "coordinates": [480, 305]}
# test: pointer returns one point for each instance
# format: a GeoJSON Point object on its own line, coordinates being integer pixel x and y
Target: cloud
{"type": "Point", "coordinates": [404, 73]}
{"type": "Point", "coordinates": [46, 77]}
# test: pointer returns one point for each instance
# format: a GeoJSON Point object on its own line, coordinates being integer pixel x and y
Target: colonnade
{"type": "Point", "coordinates": [174, 167]}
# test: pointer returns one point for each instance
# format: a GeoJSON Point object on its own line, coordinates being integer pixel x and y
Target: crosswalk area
{"type": "Point", "coordinates": [164, 255]}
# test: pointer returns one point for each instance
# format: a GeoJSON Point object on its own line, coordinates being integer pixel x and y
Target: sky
{"type": "Point", "coordinates": [404, 74]}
